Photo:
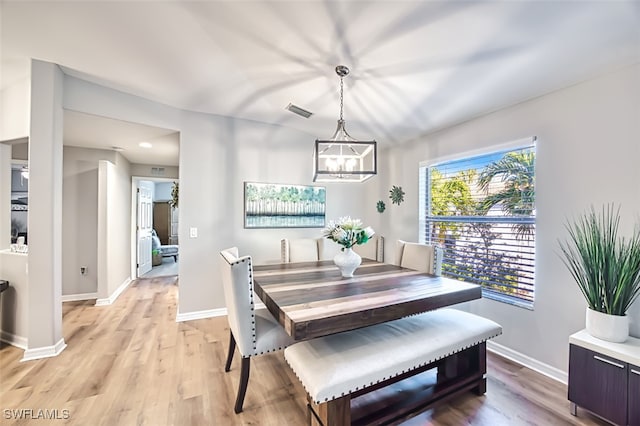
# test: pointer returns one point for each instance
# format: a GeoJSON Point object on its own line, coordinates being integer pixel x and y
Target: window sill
{"type": "Point", "coordinates": [510, 300]}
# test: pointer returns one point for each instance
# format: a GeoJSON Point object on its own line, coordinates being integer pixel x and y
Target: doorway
{"type": "Point", "coordinates": [156, 230]}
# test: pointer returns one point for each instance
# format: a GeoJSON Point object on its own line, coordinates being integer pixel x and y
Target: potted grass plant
{"type": "Point", "coordinates": [606, 268]}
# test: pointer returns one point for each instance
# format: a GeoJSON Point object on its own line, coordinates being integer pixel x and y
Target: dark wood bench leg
{"type": "Point", "coordinates": [469, 361]}
{"type": "Point", "coordinates": [331, 413]}
{"type": "Point", "coordinates": [448, 368]}
{"type": "Point", "coordinates": [481, 388]}
{"type": "Point", "coordinates": [481, 359]}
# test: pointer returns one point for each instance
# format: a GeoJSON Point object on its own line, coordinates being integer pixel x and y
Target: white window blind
{"type": "Point", "coordinates": [481, 211]}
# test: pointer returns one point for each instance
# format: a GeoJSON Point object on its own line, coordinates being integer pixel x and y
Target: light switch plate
{"type": "Point", "coordinates": [193, 232]}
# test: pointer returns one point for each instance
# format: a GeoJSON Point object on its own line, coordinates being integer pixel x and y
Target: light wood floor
{"type": "Point", "coordinates": [131, 364]}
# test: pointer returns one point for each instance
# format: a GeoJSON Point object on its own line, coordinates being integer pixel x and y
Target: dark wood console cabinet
{"type": "Point", "coordinates": [604, 378]}
{"type": "Point", "coordinates": [634, 395]}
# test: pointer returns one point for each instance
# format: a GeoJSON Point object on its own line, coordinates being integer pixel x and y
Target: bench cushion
{"type": "Point", "coordinates": [336, 365]}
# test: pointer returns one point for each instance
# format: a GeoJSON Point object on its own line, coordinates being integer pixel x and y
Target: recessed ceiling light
{"type": "Point", "coordinates": [145, 145]}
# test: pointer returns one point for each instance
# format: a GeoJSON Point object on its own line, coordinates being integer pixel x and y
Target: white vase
{"type": "Point", "coordinates": [347, 261]}
{"type": "Point", "coordinates": [612, 328]}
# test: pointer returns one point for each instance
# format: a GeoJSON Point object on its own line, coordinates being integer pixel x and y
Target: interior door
{"type": "Point", "coordinates": [144, 225]}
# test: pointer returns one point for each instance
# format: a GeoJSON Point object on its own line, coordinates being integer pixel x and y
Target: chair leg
{"type": "Point", "coordinates": [232, 348]}
{"type": "Point", "coordinates": [242, 387]}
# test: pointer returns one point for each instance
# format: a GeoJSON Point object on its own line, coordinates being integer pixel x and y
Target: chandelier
{"type": "Point", "coordinates": [343, 158]}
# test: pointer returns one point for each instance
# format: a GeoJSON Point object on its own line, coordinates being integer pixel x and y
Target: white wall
{"type": "Point", "coordinates": [20, 149]}
{"type": "Point", "coordinates": [120, 224]}
{"type": "Point", "coordinates": [114, 225]}
{"type": "Point", "coordinates": [80, 218]}
{"type": "Point", "coordinates": [145, 170]}
{"type": "Point", "coordinates": [282, 156]}
{"type": "Point", "coordinates": [587, 154]}
{"type": "Point", "coordinates": [162, 191]}
{"type": "Point", "coordinates": [5, 195]}
{"type": "Point", "coordinates": [45, 209]}
{"type": "Point", "coordinates": [14, 104]}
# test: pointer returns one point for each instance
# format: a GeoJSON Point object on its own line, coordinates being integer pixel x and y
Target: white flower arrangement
{"type": "Point", "coordinates": [348, 232]}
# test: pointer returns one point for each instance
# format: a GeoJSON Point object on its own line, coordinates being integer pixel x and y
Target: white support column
{"type": "Point", "coordinates": [45, 212]}
{"type": "Point", "coordinates": [5, 195]}
{"type": "Point", "coordinates": [103, 233]}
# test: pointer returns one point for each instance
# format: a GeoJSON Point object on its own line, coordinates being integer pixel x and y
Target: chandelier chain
{"type": "Point", "coordinates": [341, 97]}
{"type": "Point", "coordinates": [343, 158]}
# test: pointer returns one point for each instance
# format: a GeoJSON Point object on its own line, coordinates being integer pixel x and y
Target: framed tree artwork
{"type": "Point", "coordinates": [269, 205]}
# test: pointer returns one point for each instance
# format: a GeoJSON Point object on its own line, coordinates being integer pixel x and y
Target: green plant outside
{"type": "Point", "coordinates": [454, 197]}
{"type": "Point", "coordinates": [517, 198]}
{"type": "Point", "coordinates": [606, 267]}
{"type": "Point", "coordinates": [175, 194]}
{"type": "Point", "coordinates": [451, 197]}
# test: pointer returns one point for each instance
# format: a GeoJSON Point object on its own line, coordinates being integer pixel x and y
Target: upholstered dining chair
{"type": "Point", "coordinates": [372, 249]}
{"type": "Point", "coordinates": [253, 331]}
{"type": "Point", "coordinates": [307, 249]}
{"type": "Point", "coordinates": [299, 250]}
{"type": "Point", "coordinates": [421, 257]}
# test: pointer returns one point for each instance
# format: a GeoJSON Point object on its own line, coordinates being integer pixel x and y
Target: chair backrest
{"type": "Point", "coordinates": [421, 257]}
{"type": "Point", "coordinates": [327, 249]}
{"type": "Point", "coordinates": [237, 283]}
{"type": "Point", "coordinates": [299, 250]}
{"type": "Point", "coordinates": [372, 249]}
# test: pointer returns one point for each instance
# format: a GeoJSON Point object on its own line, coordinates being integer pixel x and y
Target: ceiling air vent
{"type": "Point", "coordinates": [157, 171]}
{"type": "Point", "coordinates": [297, 110]}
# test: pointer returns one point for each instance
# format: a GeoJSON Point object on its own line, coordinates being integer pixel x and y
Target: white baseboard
{"type": "Point", "coordinates": [528, 362]}
{"type": "Point", "coordinates": [76, 297]}
{"type": "Point", "coordinates": [109, 300]}
{"type": "Point", "coordinates": [209, 313]}
{"type": "Point", "coordinates": [44, 352]}
{"type": "Point", "coordinates": [17, 341]}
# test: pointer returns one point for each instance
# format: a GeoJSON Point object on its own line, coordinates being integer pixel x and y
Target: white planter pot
{"type": "Point", "coordinates": [347, 261]}
{"type": "Point", "coordinates": [612, 328]}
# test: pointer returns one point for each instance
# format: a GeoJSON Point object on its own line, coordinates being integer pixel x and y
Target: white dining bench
{"type": "Point", "coordinates": [410, 363]}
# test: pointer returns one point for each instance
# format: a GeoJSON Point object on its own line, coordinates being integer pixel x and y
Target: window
{"type": "Point", "coordinates": [481, 211]}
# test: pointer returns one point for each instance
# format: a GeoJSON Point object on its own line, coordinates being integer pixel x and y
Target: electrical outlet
{"type": "Point", "coordinates": [83, 270]}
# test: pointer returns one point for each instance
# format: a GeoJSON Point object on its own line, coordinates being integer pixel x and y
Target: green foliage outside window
{"type": "Point", "coordinates": [481, 210]}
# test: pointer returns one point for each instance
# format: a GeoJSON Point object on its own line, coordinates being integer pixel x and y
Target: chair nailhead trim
{"type": "Point", "coordinates": [252, 308]}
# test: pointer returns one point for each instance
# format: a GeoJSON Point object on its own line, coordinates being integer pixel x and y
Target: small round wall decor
{"type": "Point", "coordinates": [396, 195]}
{"type": "Point", "coordinates": [380, 206]}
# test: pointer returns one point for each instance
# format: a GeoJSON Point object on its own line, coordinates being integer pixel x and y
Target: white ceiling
{"type": "Point", "coordinates": [90, 131]}
{"type": "Point", "coordinates": [416, 66]}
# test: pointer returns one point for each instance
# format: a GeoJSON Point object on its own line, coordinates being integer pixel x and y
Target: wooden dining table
{"type": "Point", "coordinates": [312, 299]}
